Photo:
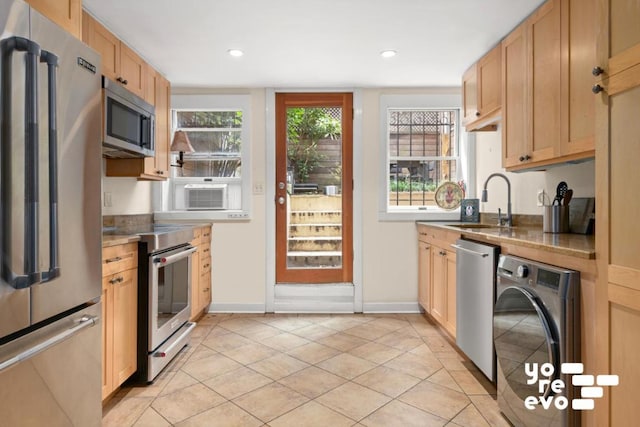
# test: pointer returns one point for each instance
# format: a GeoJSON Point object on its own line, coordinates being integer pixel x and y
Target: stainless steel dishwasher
{"type": "Point", "coordinates": [475, 297]}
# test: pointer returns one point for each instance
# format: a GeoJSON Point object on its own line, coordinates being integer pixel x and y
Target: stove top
{"type": "Point", "coordinates": [159, 236]}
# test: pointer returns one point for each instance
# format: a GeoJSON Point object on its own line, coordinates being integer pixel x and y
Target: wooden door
{"type": "Point", "coordinates": [65, 13]}
{"type": "Point", "coordinates": [489, 83]}
{"type": "Point", "coordinates": [438, 284]}
{"type": "Point", "coordinates": [578, 59]}
{"type": "Point", "coordinates": [314, 217]}
{"type": "Point", "coordinates": [450, 271]}
{"type": "Point", "coordinates": [424, 274]}
{"type": "Point", "coordinates": [105, 43]}
{"type": "Point", "coordinates": [107, 337]}
{"type": "Point", "coordinates": [514, 98]}
{"type": "Point", "coordinates": [544, 81]}
{"type": "Point", "coordinates": [617, 172]}
{"type": "Point", "coordinates": [133, 71]}
{"type": "Point", "coordinates": [470, 95]}
{"type": "Point", "coordinates": [125, 317]}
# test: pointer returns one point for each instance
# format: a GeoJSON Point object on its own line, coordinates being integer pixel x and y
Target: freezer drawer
{"type": "Point", "coordinates": [60, 385]}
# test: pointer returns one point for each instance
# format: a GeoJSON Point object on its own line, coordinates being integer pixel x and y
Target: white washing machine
{"type": "Point", "coordinates": [536, 328]}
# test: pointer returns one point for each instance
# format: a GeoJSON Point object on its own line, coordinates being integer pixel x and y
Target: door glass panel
{"type": "Point", "coordinates": [521, 336]}
{"type": "Point", "coordinates": [314, 187]}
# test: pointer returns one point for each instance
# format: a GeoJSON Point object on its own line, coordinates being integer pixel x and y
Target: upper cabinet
{"type": "Point", "coordinates": [546, 82]}
{"type": "Point", "coordinates": [481, 92]}
{"type": "Point", "coordinates": [66, 13]}
{"type": "Point", "coordinates": [119, 62]}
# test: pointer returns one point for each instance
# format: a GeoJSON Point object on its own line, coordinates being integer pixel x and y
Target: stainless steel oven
{"type": "Point", "coordinates": [164, 295]}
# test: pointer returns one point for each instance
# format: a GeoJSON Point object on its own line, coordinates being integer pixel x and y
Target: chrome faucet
{"type": "Point", "coordinates": [509, 222]}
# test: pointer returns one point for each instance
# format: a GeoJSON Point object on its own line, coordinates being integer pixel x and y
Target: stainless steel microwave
{"type": "Point", "coordinates": [128, 123]}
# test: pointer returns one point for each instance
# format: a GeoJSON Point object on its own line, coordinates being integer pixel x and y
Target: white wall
{"type": "Point", "coordinates": [128, 195]}
{"type": "Point", "coordinates": [524, 185]}
{"type": "Point", "coordinates": [390, 255]}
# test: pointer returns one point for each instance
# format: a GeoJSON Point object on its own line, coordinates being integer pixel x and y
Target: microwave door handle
{"type": "Point", "coordinates": [31, 275]}
{"type": "Point", "coordinates": [52, 64]}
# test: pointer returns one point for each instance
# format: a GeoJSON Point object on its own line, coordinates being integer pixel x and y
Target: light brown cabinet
{"type": "Point", "coordinates": [546, 116]}
{"type": "Point", "coordinates": [119, 62]}
{"type": "Point", "coordinates": [437, 275]}
{"type": "Point", "coordinates": [617, 151]}
{"type": "Point", "coordinates": [201, 272]}
{"type": "Point", "coordinates": [481, 92]}
{"type": "Point", "coordinates": [65, 13]}
{"type": "Point", "coordinates": [119, 315]}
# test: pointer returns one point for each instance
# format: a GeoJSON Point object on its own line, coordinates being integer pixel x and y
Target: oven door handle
{"type": "Point", "coordinates": [160, 260]}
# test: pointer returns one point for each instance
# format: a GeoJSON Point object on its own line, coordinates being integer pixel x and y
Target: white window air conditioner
{"type": "Point", "coordinates": [205, 196]}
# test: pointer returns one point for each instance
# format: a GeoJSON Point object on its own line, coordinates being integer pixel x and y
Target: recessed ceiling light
{"type": "Point", "coordinates": [235, 52]}
{"type": "Point", "coordinates": [388, 53]}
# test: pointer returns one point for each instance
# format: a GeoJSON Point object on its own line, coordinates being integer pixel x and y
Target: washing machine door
{"type": "Point", "coordinates": [522, 333]}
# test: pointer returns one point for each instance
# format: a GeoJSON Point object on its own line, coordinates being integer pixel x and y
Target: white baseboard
{"type": "Point", "coordinates": [391, 307]}
{"type": "Point", "coordinates": [236, 308]}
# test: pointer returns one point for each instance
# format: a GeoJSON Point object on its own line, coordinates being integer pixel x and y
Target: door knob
{"type": "Point", "coordinates": [281, 200]}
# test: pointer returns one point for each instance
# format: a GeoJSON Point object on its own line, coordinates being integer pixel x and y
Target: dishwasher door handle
{"type": "Point", "coordinates": [469, 251]}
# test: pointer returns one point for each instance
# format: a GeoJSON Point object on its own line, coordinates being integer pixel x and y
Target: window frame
{"type": "Point", "coordinates": [465, 153]}
{"type": "Point", "coordinates": [214, 102]}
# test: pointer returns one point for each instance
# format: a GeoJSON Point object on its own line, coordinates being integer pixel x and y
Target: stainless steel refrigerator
{"type": "Point", "coordinates": [50, 236]}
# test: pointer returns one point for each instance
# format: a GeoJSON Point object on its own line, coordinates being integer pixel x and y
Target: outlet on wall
{"type": "Point", "coordinates": [107, 200]}
{"type": "Point", "coordinates": [540, 198]}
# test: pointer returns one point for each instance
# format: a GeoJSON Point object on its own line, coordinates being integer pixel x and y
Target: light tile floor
{"type": "Point", "coordinates": [312, 370]}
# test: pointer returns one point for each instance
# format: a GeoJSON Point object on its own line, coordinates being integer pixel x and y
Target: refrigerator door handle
{"type": "Point", "coordinates": [84, 322]}
{"type": "Point", "coordinates": [52, 64]}
{"type": "Point", "coordinates": [31, 274]}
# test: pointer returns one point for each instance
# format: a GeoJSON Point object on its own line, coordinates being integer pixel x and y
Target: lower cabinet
{"type": "Point", "coordinates": [201, 272]}
{"type": "Point", "coordinates": [437, 276]}
{"type": "Point", "coordinates": [119, 315]}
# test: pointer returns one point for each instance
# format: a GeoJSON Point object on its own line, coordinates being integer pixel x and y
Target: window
{"type": "Point", "coordinates": [420, 144]}
{"type": "Point", "coordinates": [214, 179]}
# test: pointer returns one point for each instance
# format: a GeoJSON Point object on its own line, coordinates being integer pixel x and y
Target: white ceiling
{"type": "Point", "coordinates": [311, 43]}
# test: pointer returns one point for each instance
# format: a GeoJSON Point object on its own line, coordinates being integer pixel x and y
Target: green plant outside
{"type": "Point", "coordinates": [305, 127]}
{"type": "Point", "coordinates": [401, 185]}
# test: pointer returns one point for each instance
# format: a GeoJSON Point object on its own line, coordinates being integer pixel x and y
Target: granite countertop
{"type": "Point", "coordinates": [577, 245]}
{"type": "Point", "coordinates": [119, 239]}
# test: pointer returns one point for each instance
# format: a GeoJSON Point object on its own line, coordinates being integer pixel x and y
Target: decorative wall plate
{"type": "Point", "coordinates": [449, 195]}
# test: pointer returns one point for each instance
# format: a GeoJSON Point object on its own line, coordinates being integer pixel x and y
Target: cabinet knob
{"type": "Point", "coordinates": [124, 82]}
{"type": "Point", "coordinates": [524, 158]}
{"type": "Point", "coordinates": [477, 113]}
{"type": "Point", "coordinates": [119, 79]}
{"type": "Point", "coordinates": [597, 89]}
{"type": "Point", "coordinates": [597, 71]}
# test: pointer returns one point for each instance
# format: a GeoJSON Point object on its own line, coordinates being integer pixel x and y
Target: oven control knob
{"type": "Point", "coordinates": [523, 271]}
{"type": "Point", "coordinates": [160, 260]}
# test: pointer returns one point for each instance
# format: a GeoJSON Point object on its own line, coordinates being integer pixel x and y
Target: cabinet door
{"type": "Point", "coordinates": [205, 291]}
{"type": "Point", "coordinates": [489, 82]}
{"type": "Point", "coordinates": [424, 270]}
{"type": "Point", "coordinates": [450, 268]}
{"type": "Point", "coordinates": [514, 98]}
{"type": "Point", "coordinates": [65, 13]}
{"type": "Point", "coordinates": [107, 338]}
{"type": "Point", "coordinates": [617, 152]}
{"type": "Point", "coordinates": [470, 95]}
{"type": "Point", "coordinates": [125, 317]}
{"type": "Point", "coordinates": [163, 125]}
{"type": "Point", "coordinates": [438, 284]}
{"type": "Point", "coordinates": [105, 43]}
{"type": "Point", "coordinates": [544, 81]}
{"type": "Point", "coordinates": [195, 284]}
{"type": "Point", "coordinates": [133, 71]}
{"type": "Point", "coordinates": [578, 59]}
